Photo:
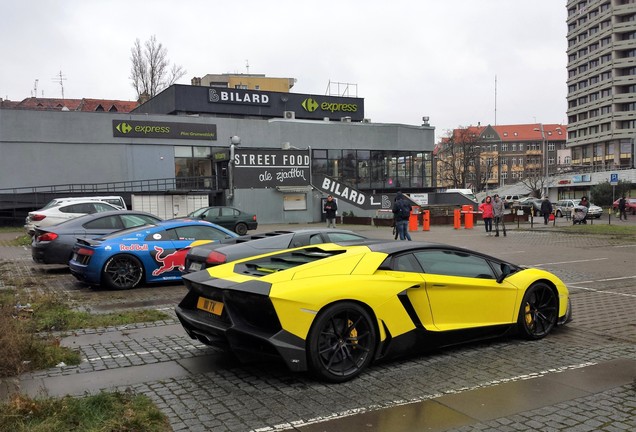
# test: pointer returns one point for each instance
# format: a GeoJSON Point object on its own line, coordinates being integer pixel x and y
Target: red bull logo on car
{"type": "Point", "coordinates": [133, 247]}
{"type": "Point", "coordinates": [169, 262]}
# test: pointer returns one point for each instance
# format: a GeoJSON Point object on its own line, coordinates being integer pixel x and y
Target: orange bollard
{"type": "Point", "coordinates": [426, 220]}
{"type": "Point", "coordinates": [457, 218]}
{"type": "Point", "coordinates": [468, 218]}
{"type": "Point", "coordinates": [413, 221]}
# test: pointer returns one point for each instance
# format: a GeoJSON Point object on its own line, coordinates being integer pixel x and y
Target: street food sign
{"type": "Point", "coordinates": [260, 168]}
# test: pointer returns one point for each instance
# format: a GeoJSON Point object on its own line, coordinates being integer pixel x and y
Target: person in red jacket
{"type": "Point", "coordinates": [487, 214]}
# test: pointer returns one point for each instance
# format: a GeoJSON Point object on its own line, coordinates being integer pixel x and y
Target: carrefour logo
{"type": "Point", "coordinates": [123, 127]}
{"type": "Point", "coordinates": [311, 105]}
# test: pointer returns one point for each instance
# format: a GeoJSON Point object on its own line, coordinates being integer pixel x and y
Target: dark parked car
{"type": "Point", "coordinates": [529, 205]}
{"type": "Point", "coordinates": [54, 244]}
{"type": "Point", "coordinates": [211, 254]}
{"type": "Point", "coordinates": [228, 217]}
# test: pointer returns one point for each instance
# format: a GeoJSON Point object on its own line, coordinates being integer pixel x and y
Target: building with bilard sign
{"type": "Point", "coordinates": [276, 154]}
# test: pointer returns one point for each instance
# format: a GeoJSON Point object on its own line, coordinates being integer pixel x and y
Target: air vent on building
{"type": "Point", "coordinates": [346, 119]}
{"type": "Point", "coordinates": [366, 120]}
{"type": "Point", "coordinates": [289, 115]}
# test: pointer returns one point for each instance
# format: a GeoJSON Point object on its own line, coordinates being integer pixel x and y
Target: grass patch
{"type": "Point", "coordinates": [614, 230]}
{"type": "Point", "coordinates": [21, 238]}
{"type": "Point", "coordinates": [25, 337]}
{"type": "Point", "coordinates": [119, 411]}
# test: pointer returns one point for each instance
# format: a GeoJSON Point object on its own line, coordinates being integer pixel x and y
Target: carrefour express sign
{"type": "Point", "coordinates": [166, 130]}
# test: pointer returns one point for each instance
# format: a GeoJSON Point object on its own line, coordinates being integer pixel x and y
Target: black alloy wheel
{"type": "Point", "coordinates": [240, 228]}
{"type": "Point", "coordinates": [122, 272]}
{"type": "Point", "coordinates": [342, 342]}
{"type": "Point", "coordinates": [539, 311]}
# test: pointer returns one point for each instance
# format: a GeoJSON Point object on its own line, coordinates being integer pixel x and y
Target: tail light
{"type": "Point", "coordinates": [85, 251]}
{"type": "Point", "coordinates": [49, 236]}
{"type": "Point", "coordinates": [37, 217]}
{"type": "Point", "coordinates": [216, 258]}
{"type": "Point", "coordinates": [254, 218]}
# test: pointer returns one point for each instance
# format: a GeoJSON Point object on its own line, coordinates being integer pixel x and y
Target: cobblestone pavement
{"type": "Point", "coordinates": [201, 388]}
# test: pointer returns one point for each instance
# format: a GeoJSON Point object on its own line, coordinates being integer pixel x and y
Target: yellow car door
{"type": "Point", "coordinates": [463, 292]}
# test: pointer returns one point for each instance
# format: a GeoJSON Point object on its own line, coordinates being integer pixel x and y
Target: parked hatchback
{"type": "Point", "coordinates": [63, 211]}
{"type": "Point", "coordinates": [228, 217]}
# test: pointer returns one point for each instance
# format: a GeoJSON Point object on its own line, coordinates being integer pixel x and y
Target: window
{"type": "Point", "coordinates": [108, 223]}
{"type": "Point", "coordinates": [454, 263]}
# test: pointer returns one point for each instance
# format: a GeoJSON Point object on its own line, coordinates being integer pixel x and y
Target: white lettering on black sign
{"type": "Point", "coordinates": [269, 168]}
{"type": "Point", "coordinates": [344, 192]}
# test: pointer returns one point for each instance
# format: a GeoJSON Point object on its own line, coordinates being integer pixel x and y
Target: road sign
{"type": "Point", "coordinates": [614, 179]}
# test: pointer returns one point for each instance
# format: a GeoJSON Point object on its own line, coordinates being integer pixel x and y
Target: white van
{"type": "Point", "coordinates": [117, 201]}
{"type": "Point", "coordinates": [466, 192]}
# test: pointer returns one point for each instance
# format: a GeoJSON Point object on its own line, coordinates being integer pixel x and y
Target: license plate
{"type": "Point", "coordinates": [214, 307]}
{"type": "Point", "coordinates": [195, 266]}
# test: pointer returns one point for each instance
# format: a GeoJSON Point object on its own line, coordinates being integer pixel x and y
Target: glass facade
{"type": "Point", "coordinates": [375, 169]}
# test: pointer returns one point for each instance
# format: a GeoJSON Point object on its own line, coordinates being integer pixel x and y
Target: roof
{"type": "Point", "coordinates": [84, 104]}
{"type": "Point", "coordinates": [521, 132]}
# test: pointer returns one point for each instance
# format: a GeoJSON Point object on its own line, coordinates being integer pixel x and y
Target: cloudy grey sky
{"type": "Point", "coordinates": [408, 59]}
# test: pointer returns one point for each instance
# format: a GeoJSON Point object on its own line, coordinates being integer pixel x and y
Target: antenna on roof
{"type": "Point", "coordinates": [495, 100]}
{"type": "Point", "coordinates": [60, 78]}
{"type": "Point", "coordinates": [35, 89]}
{"type": "Point", "coordinates": [247, 66]}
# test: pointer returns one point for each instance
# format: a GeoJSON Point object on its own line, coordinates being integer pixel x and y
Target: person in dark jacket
{"type": "Point", "coordinates": [546, 210]}
{"type": "Point", "coordinates": [330, 209]}
{"type": "Point", "coordinates": [402, 212]}
{"type": "Point", "coordinates": [622, 208]}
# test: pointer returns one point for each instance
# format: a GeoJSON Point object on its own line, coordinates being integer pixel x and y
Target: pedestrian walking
{"type": "Point", "coordinates": [546, 209]}
{"type": "Point", "coordinates": [498, 211]}
{"type": "Point", "coordinates": [486, 213]}
{"type": "Point", "coordinates": [402, 212]}
{"type": "Point", "coordinates": [622, 208]}
{"type": "Point", "coordinates": [330, 209]}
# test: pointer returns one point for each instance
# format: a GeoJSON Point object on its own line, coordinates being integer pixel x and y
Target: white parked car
{"type": "Point", "coordinates": [117, 201]}
{"type": "Point", "coordinates": [55, 213]}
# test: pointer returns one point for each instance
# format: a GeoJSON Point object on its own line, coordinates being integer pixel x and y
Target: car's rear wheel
{"type": "Point", "coordinates": [342, 342]}
{"type": "Point", "coordinates": [240, 228]}
{"type": "Point", "coordinates": [559, 214]}
{"type": "Point", "coordinates": [122, 272]}
{"type": "Point", "coordinates": [539, 311]}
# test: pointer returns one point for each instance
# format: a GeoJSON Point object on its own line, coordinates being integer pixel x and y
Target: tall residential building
{"type": "Point", "coordinates": [601, 83]}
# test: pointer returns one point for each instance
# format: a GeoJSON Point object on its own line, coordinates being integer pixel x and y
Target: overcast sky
{"type": "Point", "coordinates": [407, 59]}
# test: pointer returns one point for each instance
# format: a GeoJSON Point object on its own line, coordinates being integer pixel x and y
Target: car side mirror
{"type": "Point", "coordinates": [505, 271]}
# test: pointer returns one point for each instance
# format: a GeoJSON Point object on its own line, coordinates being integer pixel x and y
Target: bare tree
{"type": "Point", "coordinates": [150, 72]}
{"type": "Point", "coordinates": [456, 158]}
{"type": "Point", "coordinates": [535, 185]}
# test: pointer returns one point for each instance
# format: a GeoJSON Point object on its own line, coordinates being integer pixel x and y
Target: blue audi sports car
{"type": "Point", "coordinates": [150, 253]}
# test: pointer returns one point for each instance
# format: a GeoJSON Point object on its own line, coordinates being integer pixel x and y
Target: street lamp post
{"type": "Point", "coordinates": [234, 141]}
{"type": "Point", "coordinates": [544, 158]}
{"type": "Point", "coordinates": [478, 168]}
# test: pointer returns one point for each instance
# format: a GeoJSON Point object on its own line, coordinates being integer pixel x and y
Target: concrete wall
{"type": "Point", "coordinates": [41, 148]}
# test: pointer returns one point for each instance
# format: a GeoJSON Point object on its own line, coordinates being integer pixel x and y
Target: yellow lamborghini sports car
{"type": "Point", "coordinates": [333, 309]}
